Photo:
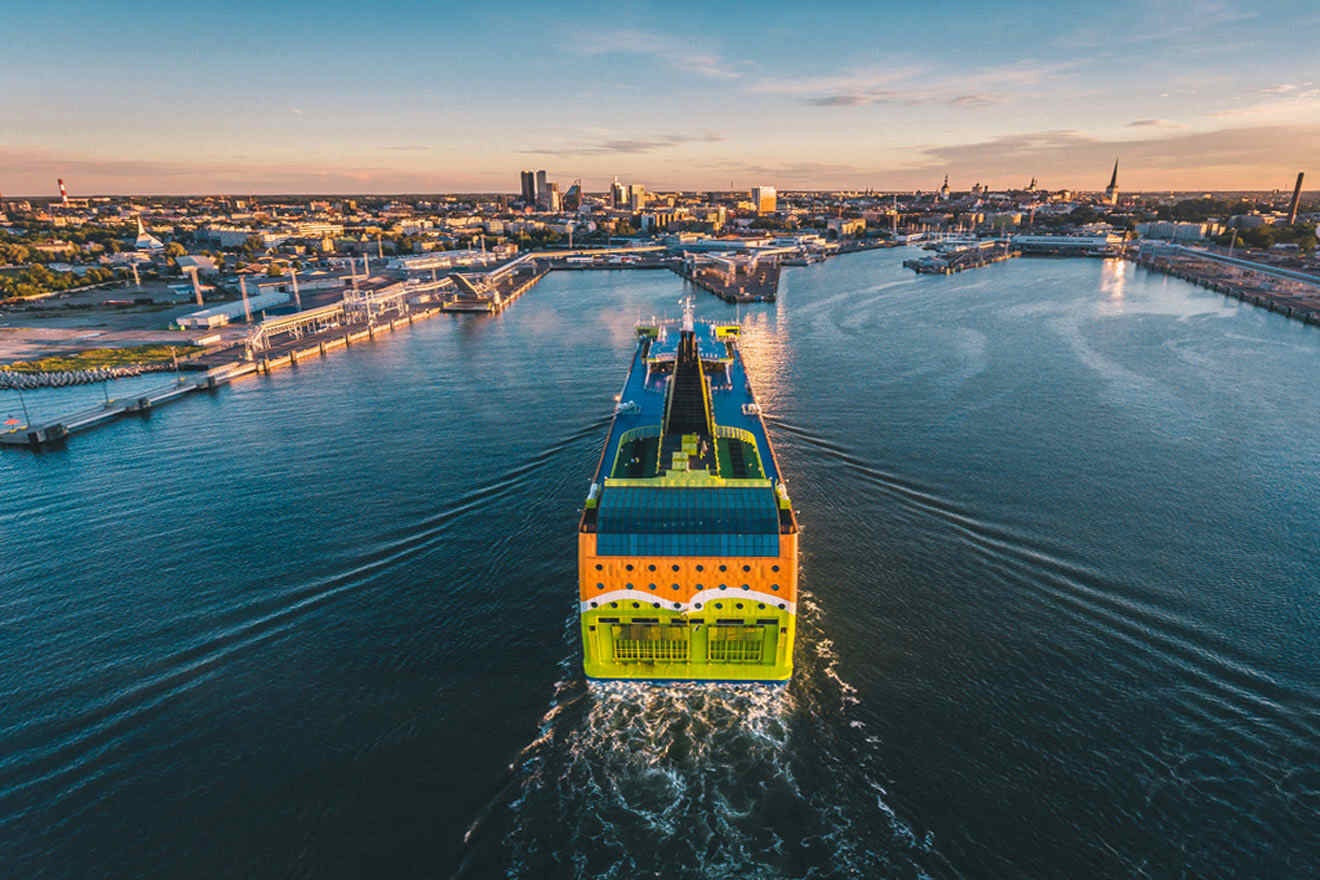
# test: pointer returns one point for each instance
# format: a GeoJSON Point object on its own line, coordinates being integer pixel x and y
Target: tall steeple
{"type": "Point", "coordinates": [1111, 191]}
{"type": "Point", "coordinates": [944, 190]}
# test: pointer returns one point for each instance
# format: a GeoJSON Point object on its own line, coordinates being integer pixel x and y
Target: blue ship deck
{"type": "Point", "coordinates": [642, 403]}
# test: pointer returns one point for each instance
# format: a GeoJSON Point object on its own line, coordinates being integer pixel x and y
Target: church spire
{"type": "Point", "coordinates": [1111, 191]}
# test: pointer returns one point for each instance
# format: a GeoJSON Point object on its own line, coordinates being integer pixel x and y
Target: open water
{"type": "Point", "coordinates": [1061, 553]}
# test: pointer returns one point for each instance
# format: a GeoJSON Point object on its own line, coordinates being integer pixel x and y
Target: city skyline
{"type": "Point", "coordinates": [1204, 96]}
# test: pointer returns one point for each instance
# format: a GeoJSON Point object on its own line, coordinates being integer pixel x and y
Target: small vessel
{"type": "Point", "coordinates": [687, 544]}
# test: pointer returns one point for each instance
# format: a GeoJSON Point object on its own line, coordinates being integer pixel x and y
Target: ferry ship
{"type": "Point", "coordinates": [687, 545]}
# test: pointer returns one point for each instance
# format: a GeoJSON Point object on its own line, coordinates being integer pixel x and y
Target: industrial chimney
{"type": "Point", "coordinates": [64, 193]}
{"type": "Point", "coordinates": [1296, 199]}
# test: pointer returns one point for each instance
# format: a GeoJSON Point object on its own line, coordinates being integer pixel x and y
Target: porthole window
{"type": "Point", "coordinates": [739, 606]}
{"type": "Point", "coordinates": [698, 605]}
{"type": "Point", "coordinates": [678, 604]}
{"type": "Point", "coordinates": [629, 587]}
{"type": "Point", "coordinates": [782, 606]}
{"type": "Point", "coordinates": [593, 604]}
{"type": "Point", "coordinates": [651, 566]}
{"type": "Point", "coordinates": [774, 568]}
{"type": "Point", "coordinates": [600, 586]}
{"type": "Point", "coordinates": [675, 568]}
{"type": "Point", "coordinates": [760, 604]}
{"type": "Point", "coordinates": [700, 567]}
{"type": "Point", "coordinates": [655, 604]}
{"type": "Point", "coordinates": [628, 566]}
{"type": "Point", "coordinates": [719, 604]}
{"type": "Point", "coordinates": [614, 604]}
{"type": "Point", "coordinates": [652, 586]}
{"type": "Point", "coordinates": [724, 586]}
{"type": "Point", "coordinates": [774, 586]}
{"type": "Point", "coordinates": [673, 586]}
{"type": "Point", "coordinates": [747, 568]}
{"type": "Point", "coordinates": [746, 587]}
{"type": "Point", "coordinates": [637, 604]}
{"type": "Point", "coordinates": [700, 587]}
{"type": "Point", "coordinates": [723, 567]}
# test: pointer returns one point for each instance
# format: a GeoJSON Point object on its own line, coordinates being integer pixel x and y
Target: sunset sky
{"type": "Point", "coordinates": [147, 97]}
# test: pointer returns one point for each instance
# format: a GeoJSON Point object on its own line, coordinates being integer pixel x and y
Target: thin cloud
{"type": "Point", "coordinates": [917, 86]}
{"type": "Point", "coordinates": [1072, 156]}
{"type": "Point", "coordinates": [1152, 123]}
{"type": "Point", "coordinates": [629, 145]}
{"type": "Point", "coordinates": [677, 53]}
{"type": "Point", "coordinates": [973, 101]}
{"type": "Point", "coordinates": [408, 147]}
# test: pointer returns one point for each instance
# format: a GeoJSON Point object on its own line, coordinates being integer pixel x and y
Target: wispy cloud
{"type": "Point", "coordinates": [916, 85]}
{"type": "Point", "coordinates": [1248, 152]}
{"type": "Point", "coordinates": [413, 148]}
{"type": "Point", "coordinates": [974, 101]}
{"type": "Point", "coordinates": [1152, 123]}
{"type": "Point", "coordinates": [680, 54]}
{"type": "Point", "coordinates": [120, 175]}
{"type": "Point", "coordinates": [1156, 23]}
{"type": "Point", "coordinates": [628, 145]}
{"type": "Point", "coordinates": [1288, 103]}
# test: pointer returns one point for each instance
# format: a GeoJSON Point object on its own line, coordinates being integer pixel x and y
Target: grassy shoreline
{"type": "Point", "coordinates": [94, 358]}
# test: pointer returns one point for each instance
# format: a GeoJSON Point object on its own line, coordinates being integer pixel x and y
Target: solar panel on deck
{"type": "Point", "coordinates": [687, 522]}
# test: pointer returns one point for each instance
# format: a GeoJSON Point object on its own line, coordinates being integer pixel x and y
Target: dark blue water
{"type": "Point", "coordinates": [1060, 554]}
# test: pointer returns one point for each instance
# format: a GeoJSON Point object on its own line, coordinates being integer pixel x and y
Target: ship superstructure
{"type": "Point", "coordinates": [687, 545]}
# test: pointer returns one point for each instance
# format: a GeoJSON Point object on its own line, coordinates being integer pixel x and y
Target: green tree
{"type": "Point", "coordinates": [253, 246]}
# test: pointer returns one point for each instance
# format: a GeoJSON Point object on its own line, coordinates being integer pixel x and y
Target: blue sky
{"type": "Point", "coordinates": [422, 97]}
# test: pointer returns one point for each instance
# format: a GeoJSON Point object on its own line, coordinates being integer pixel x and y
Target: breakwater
{"type": "Point", "coordinates": [10, 379]}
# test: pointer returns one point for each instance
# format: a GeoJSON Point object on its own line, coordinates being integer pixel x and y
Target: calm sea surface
{"type": "Point", "coordinates": [1061, 555]}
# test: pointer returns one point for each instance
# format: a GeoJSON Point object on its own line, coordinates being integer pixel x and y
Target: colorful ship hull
{"type": "Point", "coordinates": [687, 546]}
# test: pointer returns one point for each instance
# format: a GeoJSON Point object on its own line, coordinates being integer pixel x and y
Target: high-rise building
{"type": "Point", "coordinates": [765, 199]}
{"type": "Point", "coordinates": [618, 194]}
{"type": "Point", "coordinates": [552, 198]}
{"type": "Point", "coordinates": [1296, 199]}
{"type": "Point", "coordinates": [528, 187]}
{"type": "Point", "coordinates": [573, 198]}
{"type": "Point", "coordinates": [540, 186]}
{"type": "Point", "coordinates": [636, 197]}
{"type": "Point", "coordinates": [1111, 191]}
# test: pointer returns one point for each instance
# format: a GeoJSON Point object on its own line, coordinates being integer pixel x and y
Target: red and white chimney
{"type": "Point", "coordinates": [64, 193]}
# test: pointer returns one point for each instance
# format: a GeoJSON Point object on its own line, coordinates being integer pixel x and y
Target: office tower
{"type": "Point", "coordinates": [636, 197]}
{"type": "Point", "coordinates": [1296, 199]}
{"type": "Point", "coordinates": [765, 199]}
{"type": "Point", "coordinates": [528, 187]}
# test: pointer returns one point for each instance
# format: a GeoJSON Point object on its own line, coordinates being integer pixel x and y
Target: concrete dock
{"type": "Point", "coordinates": [228, 366]}
{"type": "Point", "coordinates": [1288, 293]}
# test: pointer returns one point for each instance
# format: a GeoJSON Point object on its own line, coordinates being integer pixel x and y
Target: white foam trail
{"type": "Point", "coordinates": [699, 779]}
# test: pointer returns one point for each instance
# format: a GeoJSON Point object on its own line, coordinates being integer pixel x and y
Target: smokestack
{"type": "Point", "coordinates": [1296, 199]}
{"type": "Point", "coordinates": [64, 193]}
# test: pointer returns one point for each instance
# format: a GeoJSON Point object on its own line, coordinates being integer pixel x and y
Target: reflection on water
{"type": "Point", "coordinates": [1113, 276]}
{"type": "Point", "coordinates": [1058, 545]}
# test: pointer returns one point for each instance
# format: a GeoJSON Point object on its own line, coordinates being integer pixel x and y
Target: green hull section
{"type": "Point", "coordinates": [687, 648]}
